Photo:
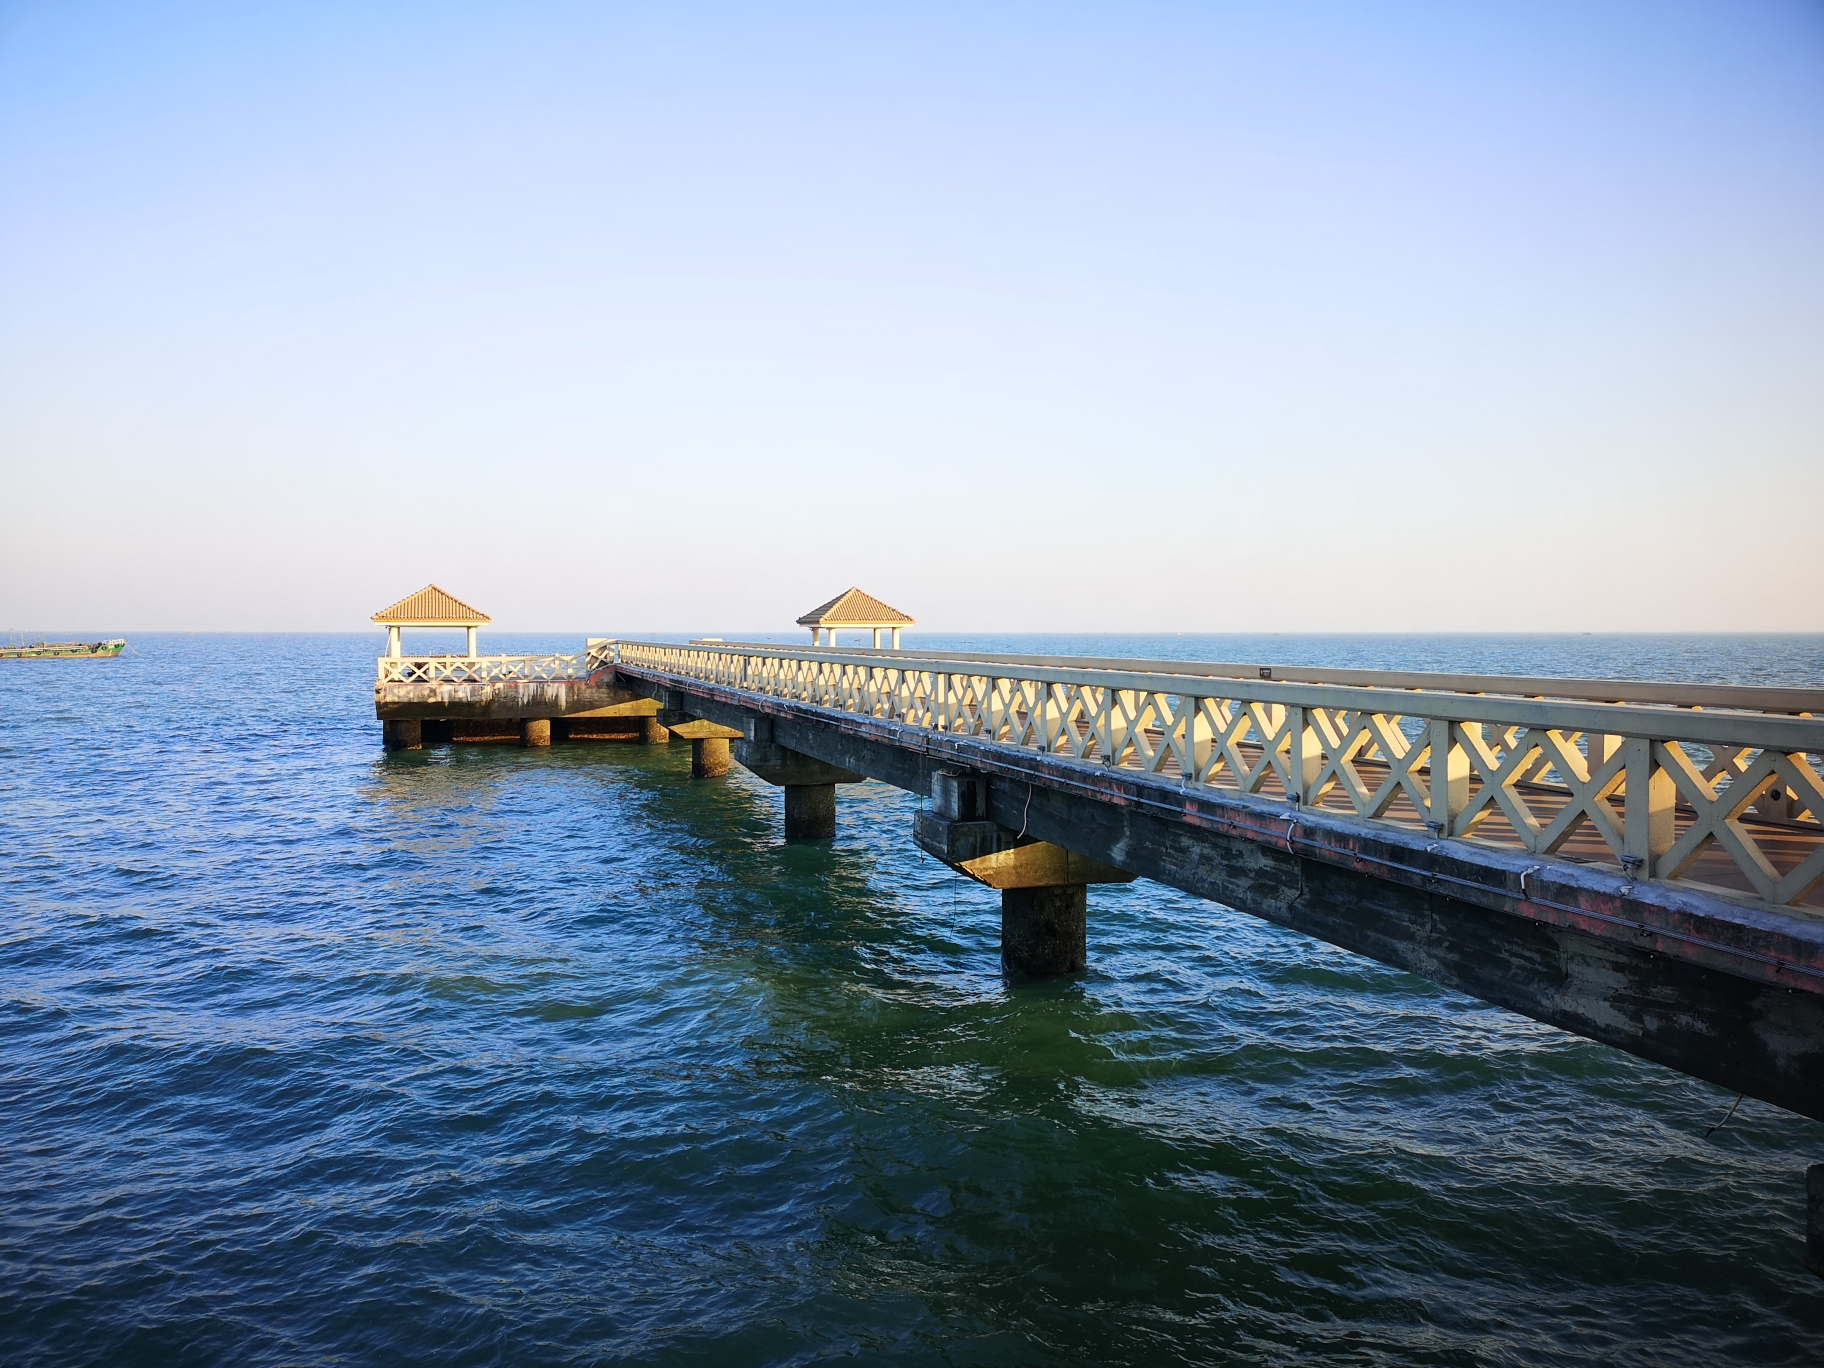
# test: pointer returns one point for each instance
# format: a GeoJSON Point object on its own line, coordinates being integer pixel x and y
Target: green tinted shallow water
{"type": "Point", "coordinates": [476, 1055]}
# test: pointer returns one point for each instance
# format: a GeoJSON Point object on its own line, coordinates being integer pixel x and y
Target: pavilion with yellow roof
{"type": "Point", "coordinates": [429, 607]}
{"type": "Point", "coordinates": [854, 609]}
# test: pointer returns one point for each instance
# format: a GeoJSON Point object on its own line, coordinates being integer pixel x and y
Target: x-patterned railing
{"type": "Point", "coordinates": [1662, 781]}
{"type": "Point", "coordinates": [481, 669]}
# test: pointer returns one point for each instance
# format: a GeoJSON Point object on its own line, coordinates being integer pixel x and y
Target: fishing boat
{"type": "Point", "coordinates": [64, 650]}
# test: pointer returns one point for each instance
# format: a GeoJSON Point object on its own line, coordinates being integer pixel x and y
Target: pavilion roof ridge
{"type": "Point", "coordinates": [854, 608]}
{"type": "Point", "coordinates": [431, 607]}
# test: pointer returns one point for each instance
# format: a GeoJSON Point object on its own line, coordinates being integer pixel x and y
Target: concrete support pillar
{"type": "Point", "coordinates": [709, 757]}
{"type": "Point", "coordinates": [1045, 930]}
{"type": "Point", "coordinates": [653, 732]}
{"type": "Point", "coordinates": [1814, 1219]}
{"type": "Point", "coordinates": [1044, 888]}
{"type": "Point", "coordinates": [810, 812]}
{"type": "Point", "coordinates": [535, 731]}
{"type": "Point", "coordinates": [402, 733]}
{"type": "Point", "coordinates": [809, 783]}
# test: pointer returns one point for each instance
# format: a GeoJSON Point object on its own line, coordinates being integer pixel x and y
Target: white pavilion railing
{"type": "Point", "coordinates": [1662, 773]}
{"type": "Point", "coordinates": [481, 669]}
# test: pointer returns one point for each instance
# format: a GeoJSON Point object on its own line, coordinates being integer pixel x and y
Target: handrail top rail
{"type": "Point", "coordinates": [1759, 698]}
{"type": "Point", "coordinates": [1719, 727]}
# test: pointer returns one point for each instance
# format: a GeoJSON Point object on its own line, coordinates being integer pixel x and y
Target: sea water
{"type": "Point", "coordinates": [310, 1054]}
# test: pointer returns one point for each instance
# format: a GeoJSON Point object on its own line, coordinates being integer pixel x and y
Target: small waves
{"type": "Point", "coordinates": [314, 1054]}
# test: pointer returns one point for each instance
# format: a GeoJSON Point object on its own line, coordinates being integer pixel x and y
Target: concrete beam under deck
{"type": "Point", "coordinates": [788, 768]}
{"type": "Point", "coordinates": [992, 854]}
{"type": "Point", "coordinates": [1729, 993]}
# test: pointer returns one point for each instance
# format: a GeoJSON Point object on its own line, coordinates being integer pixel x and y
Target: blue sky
{"type": "Point", "coordinates": [1161, 317]}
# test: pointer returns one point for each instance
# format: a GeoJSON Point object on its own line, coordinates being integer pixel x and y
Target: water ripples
{"type": "Point", "coordinates": [484, 1055]}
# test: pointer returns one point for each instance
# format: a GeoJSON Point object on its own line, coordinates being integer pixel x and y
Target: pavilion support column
{"type": "Point", "coordinates": [392, 642]}
{"type": "Point", "coordinates": [535, 731]}
{"type": "Point", "coordinates": [474, 632]}
{"type": "Point", "coordinates": [402, 733]}
{"type": "Point", "coordinates": [810, 812]}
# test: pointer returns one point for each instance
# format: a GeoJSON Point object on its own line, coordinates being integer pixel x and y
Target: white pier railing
{"type": "Point", "coordinates": [1664, 776]}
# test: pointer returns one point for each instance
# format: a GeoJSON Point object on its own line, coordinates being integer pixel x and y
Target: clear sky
{"type": "Point", "coordinates": [1192, 317]}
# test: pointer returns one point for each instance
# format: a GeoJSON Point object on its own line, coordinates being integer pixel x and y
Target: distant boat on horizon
{"type": "Point", "coordinates": [64, 650]}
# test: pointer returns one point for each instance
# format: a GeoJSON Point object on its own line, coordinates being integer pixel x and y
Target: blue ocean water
{"type": "Point", "coordinates": [310, 1054]}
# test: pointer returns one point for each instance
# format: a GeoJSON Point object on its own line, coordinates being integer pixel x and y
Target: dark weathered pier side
{"type": "Point", "coordinates": [1623, 890]}
{"type": "Point", "coordinates": [511, 709]}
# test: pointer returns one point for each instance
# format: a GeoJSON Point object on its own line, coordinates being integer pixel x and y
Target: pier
{"type": "Point", "coordinates": [1638, 863]}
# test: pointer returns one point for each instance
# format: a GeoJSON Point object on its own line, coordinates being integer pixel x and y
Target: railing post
{"type": "Point", "coordinates": [1597, 748]}
{"type": "Point", "coordinates": [1648, 828]}
{"type": "Point", "coordinates": [1304, 756]}
{"type": "Point", "coordinates": [1199, 740]}
{"type": "Point", "coordinates": [1449, 778]}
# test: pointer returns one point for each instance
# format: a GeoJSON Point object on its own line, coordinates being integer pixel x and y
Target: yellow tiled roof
{"type": "Point", "coordinates": [855, 609]}
{"type": "Point", "coordinates": [432, 606]}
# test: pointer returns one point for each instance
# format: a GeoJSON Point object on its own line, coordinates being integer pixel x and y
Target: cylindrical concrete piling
{"type": "Point", "coordinates": [535, 731]}
{"type": "Point", "coordinates": [652, 732]}
{"type": "Point", "coordinates": [810, 812]}
{"type": "Point", "coordinates": [709, 757]}
{"type": "Point", "coordinates": [402, 733]}
{"type": "Point", "coordinates": [1045, 930]}
{"type": "Point", "coordinates": [1814, 1219]}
